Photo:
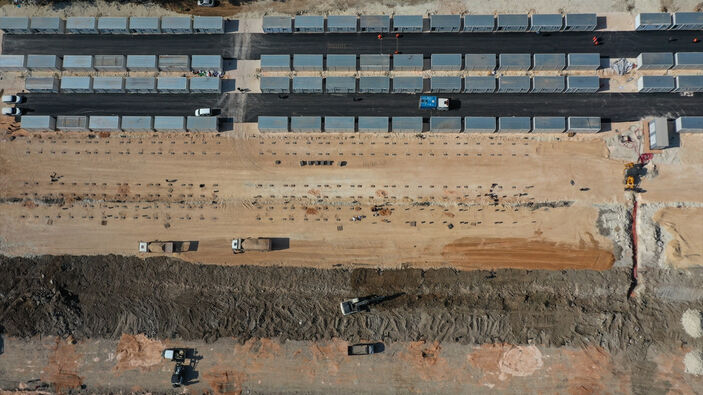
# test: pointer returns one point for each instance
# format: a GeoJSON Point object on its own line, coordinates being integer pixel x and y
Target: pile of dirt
{"type": "Point", "coordinates": [106, 296]}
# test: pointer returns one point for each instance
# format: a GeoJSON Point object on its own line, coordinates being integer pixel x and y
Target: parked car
{"type": "Point", "coordinates": [12, 111]}
{"type": "Point", "coordinates": [365, 349]}
{"type": "Point", "coordinates": [203, 112]}
{"type": "Point", "coordinates": [12, 99]}
{"type": "Point", "coordinates": [206, 3]}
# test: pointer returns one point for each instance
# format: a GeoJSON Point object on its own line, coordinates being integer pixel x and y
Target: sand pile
{"type": "Point", "coordinates": [692, 322]}
{"type": "Point", "coordinates": [694, 362]}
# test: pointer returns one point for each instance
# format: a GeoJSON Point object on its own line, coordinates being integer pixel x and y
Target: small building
{"type": "Point", "coordinates": [445, 84]}
{"type": "Point", "coordinates": [72, 123]}
{"type": "Point", "coordinates": [100, 123]}
{"type": "Point", "coordinates": [202, 124]}
{"type": "Point", "coordinates": [340, 84]}
{"type": "Point", "coordinates": [75, 84]}
{"type": "Point", "coordinates": [658, 133]}
{"type": "Point", "coordinates": [406, 124]}
{"type": "Point", "coordinates": [110, 62]}
{"type": "Point", "coordinates": [306, 124]}
{"type": "Point", "coordinates": [177, 24]}
{"type": "Point", "coordinates": [656, 84]}
{"type": "Point", "coordinates": [108, 85]}
{"type": "Point", "coordinates": [514, 125]}
{"type": "Point", "coordinates": [689, 125]}
{"type": "Point", "coordinates": [37, 122]}
{"type": "Point", "coordinates": [78, 63]}
{"type": "Point", "coordinates": [479, 23]}
{"type": "Point", "coordinates": [131, 123]}
{"type": "Point", "coordinates": [580, 22]}
{"type": "Point", "coordinates": [341, 62]}
{"type": "Point", "coordinates": [479, 124]}
{"type": "Point", "coordinates": [445, 124]}
{"type": "Point", "coordinates": [340, 124]}
{"type": "Point", "coordinates": [583, 125]}
{"type": "Point", "coordinates": [144, 25]}
{"type": "Point", "coordinates": [275, 62]}
{"type": "Point", "coordinates": [688, 61]}
{"type": "Point", "coordinates": [512, 23]}
{"type": "Point", "coordinates": [687, 21]}
{"type": "Point", "coordinates": [583, 61]}
{"type": "Point", "coordinates": [480, 61]}
{"type": "Point", "coordinates": [407, 23]}
{"type": "Point", "coordinates": [13, 62]}
{"type": "Point", "coordinates": [373, 124]}
{"type": "Point", "coordinates": [273, 124]}
{"type": "Point", "coordinates": [142, 63]}
{"type": "Point", "coordinates": [82, 25]}
{"type": "Point", "coordinates": [206, 62]}
{"type": "Point", "coordinates": [548, 84]}
{"type": "Point", "coordinates": [307, 84]}
{"type": "Point", "coordinates": [480, 84]}
{"type": "Point", "coordinates": [174, 63]}
{"type": "Point", "coordinates": [140, 84]}
{"type": "Point", "coordinates": [113, 25]}
{"type": "Point", "coordinates": [407, 85]}
{"type": "Point", "coordinates": [274, 84]}
{"type": "Point", "coordinates": [408, 62]}
{"type": "Point", "coordinates": [342, 23]}
{"type": "Point", "coordinates": [309, 24]}
{"type": "Point", "coordinates": [205, 85]}
{"type": "Point", "coordinates": [278, 24]}
{"type": "Point", "coordinates": [15, 25]}
{"type": "Point", "coordinates": [374, 23]}
{"type": "Point", "coordinates": [653, 21]}
{"type": "Point", "coordinates": [689, 83]}
{"type": "Point", "coordinates": [169, 124]}
{"type": "Point", "coordinates": [41, 84]}
{"type": "Point", "coordinates": [374, 84]}
{"type": "Point", "coordinates": [513, 84]}
{"type": "Point", "coordinates": [548, 124]}
{"type": "Point", "coordinates": [655, 61]}
{"type": "Point", "coordinates": [304, 62]}
{"type": "Point", "coordinates": [514, 61]}
{"type": "Point", "coordinates": [546, 23]}
{"type": "Point", "coordinates": [582, 84]}
{"type": "Point", "coordinates": [446, 62]}
{"type": "Point", "coordinates": [172, 84]}
{"type": "Point", "coordinates": [374, 62]}
{"type": "Point", "coordinates": [445, 23]}
{"type": "Point", "coordinates": [208, 24]}
{"type": "Point", "coordinates": [549, 61]}
{"type": "Point", "coordinates": [47, 25]}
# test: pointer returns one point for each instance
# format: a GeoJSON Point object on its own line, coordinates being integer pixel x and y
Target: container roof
{"type": "Point", "coordinates": [547, 20]}
{"type": "Point", "coordinates": [205, 61]}
{"type": "Point", "coordinates": [408, 60]}
{"type": "Point", "coordinates": [657, 58]}
{"type": "Point", "coordinates": [141, 60]}
{"type": "Point", "coordinates": [344, 83]}
{"type": "Point", "coordinates": [74, 82]}
{"type": "Point", "coordinates": [34, 83]}
{"type": "Point", "coordinates": [348, 21]}
{"type": "Point", "coordinates": [268, 122]}
{"type": "Point", "coordinates": [521, 82]}
{"type": "Point", "coordinates": [479, 21]}
{"type": "Point", "coordinates": [112, 22]}
{"type": "Point", "coordinates": [341, 61]}
{"type": "Point", "coordinates": [131, 122]}
{"type": "Point", "coordinates": [275, 83]}
{"type": "Point", "coordinates": [445, 21]}
{"type": "Point", "coordinates": [208, 22]}
{"type": "Point", "coordinates": [77, 61]}
{"type": "Point", "coordinates": [583, 81]}
{"type": "Point", "coordinates": [103, 122]}
{"type": "Point", "coordinates": [655, 18]}
{"type": "Point", "coordinates": [446, 59]}
{"type": "Point", "coordinates": [43, 22]}
{"type": "Point", "coordinates": [80, 22]}
{"type": "Point", "coordinates": [375, 20]}
{"type": "Point", "coordinates": [487, 60]}
{"type": "Point", "coordinates": [14, 22]}
{"type": "Point", "coordinates": [339, 123]}
{"type": "Point", "coordinates": [306, 122]}
{"type": "Point", "coordinates": [584, 123]}
{"type": "Point", "coordinates": [549, 59]}
{"type": "Point", "coordinates": [306, 60]}
{"type": "Point", "coordinates": [407, 83]}
{"type": "Point", "coordinates": [109, 61]}
{"type": "Point", "coordinates": [689, 58]}
{"type": "Point", "coordinates": [35, 122]}
{"type": "Point", "coordinates": [310, 21]}
{"type": "Point", "coordinates": [12, 61]}
{"type": "Point", "coordinates": [446, 82]}
{"type": "Point", "coordinates": [513, 20]}
{"type": "Point", "coordinates": [445, 123]}
{"type": "Point", "coordinates": [480, 82]}
{"type": "Point", "coordinates": [176, 22]}
{"type": "Point", "coordinates": [584, 59]}
{"type": "Point", "coordinates": [108, 83]}
{"type": "Point", "coordinates": [72, 122]}
{"type": "Point", "coordinates": [407, 21]}
{"type": "Point", "coordinates": [373, 123]}
{"type": "Point", "coordinates": [690, 81]}
{"type": "Point", "coordinates": [307, 83]}
{"type": "Point", "coordinates": [174, 60]}
{"type": "Point", "coordinates": [480, 123]}
{"type": "Point", "coordinates": [587, 19]}
{"type": "Point", "coordinates": [144, 22]}
{"type": "Point", "coordinates": [406, 123]}
{"type": "Point", "coordinates": [172, 83]}
{"type": "Point", "coordinates": [140, 83]}
{"type": "Point", "coordinates": [548, 82]}
{"type": "Point", "coordinates": [275, 61]}
{"type": "Point", "coordinates": [515, 59]}
{"type": "Point", "coordinates": [169, 123]}
{"type": "Point", "coordinates": [41, 60]}
{"type": "Point", "coordinates": [689, 122]}
{"type": "Point", "coordinates": [549, 123]}
{"type": "Point", "coordinates": [278, 21]}
{"type": "Point", "coordinates": [206, 124]}
{"type": "Point", "coordinates": [693, 18]}
{"type": "Point", "coordinates": [658, 81]}
{"type": "Point", "coordinates": [514, 123]}
{"type": "Point", "coordinates": [205, 83]}
{"type": "Point", "coordinates": [374, 59]}
{"type": "Point", "coordinates": [366, 83]}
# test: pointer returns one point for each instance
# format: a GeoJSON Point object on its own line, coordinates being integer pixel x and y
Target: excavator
{"type": "Point", "coordinates": [635, 171]}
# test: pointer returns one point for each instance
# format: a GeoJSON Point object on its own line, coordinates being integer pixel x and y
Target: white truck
{"type": "Point", "coordinates": [240, 245]}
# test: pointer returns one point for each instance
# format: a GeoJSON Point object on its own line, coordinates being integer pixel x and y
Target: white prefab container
{"type": "Point", "coordinates": [110, 63]}
{"type": "Point", "coordinates": [374, 85]}
{"type": "Point", "coordinates": [546, 22]}
{"type": "Point", "coordinates": [340, 84]}
{"type": "Point", "coordinates": [655, 61]}
{"type": "Point", "coordinates": [273, 124]}
{"type": "Point", "coordinates": [687, 21]}
{"type": "Point", "coordinates": [407, 85]}
{"type": "Point", "coordinates": [169, 124]}
{"type": "Point", "coordinates": [445, 23]}
{"type": "Point", "coordinates": [689, 125]}
{"type": "Point", "coordinates": [306, 124]}
{"type": "Point", "coordinates": [274, 84]}
{"type": "Point", "coordinates": [278, 24]}
{"type": "Point", "coordinates": [38, 122]}
{"type": "Point", "coordinates": [305, 62]}
{"type": "Point", "coordinates": [341, 62]}
{"type": "Point", "coordinates": [142, 63]}
{"type": "Point", "coordinates": [406, 124]}
{"type": "Point", "coordinates": [15, 25]}
{"type": "Point", "coordinates": [172, 84]}
{"type": "Point", "coordinates": [513, 84]}
{"type": "Point", "coordinates": [339, 124]}
{"type": "Point", "coordinates": [201, 124]}
{"type": "Point", "coordinates": [653, 21]}
{"type": "Point", "coordinates": [13, 63]}
{"type": "Point", "coordinates": [275, 62]}
{"type": "Point", "coordinates": [41, 84]}
{"type": "Point", "coordinates": [102, 123]}
{"type": "Point", "coordinates": [205, 85]}
{"type": "Point", "coordinates": [689, 83]}
{"type": "Point", "coordinates": [206, 62]}
{"type": "Point", "coordinates": [342, 23]}
{"type": "Point", "coordinates": [445, 84]}
{"type": "Point", "coordinates": [580, 22]}
{"type": "Point", "coordinates": [369, 62]}
{"type": "Point", "coordinates": [374, 23]}
{"type": "Point", "coordinates": [307, 84]}
{"type": "Point", "coordinates": [81, 25]}
{"type": "Point", "coordinates": [445, 124]}
{"type": "Point", "coordinates": [131, 123]}
{"type": "Point", "coordinates": [688, 61]}
{"type": "Point", "coordinates": [407, 62]}
{"type": "Point", "coordinates": [113, 25]}
{"type": "Point", "coordinates": [583, 124]}
{"type": "Point", "coordinates": [583, 61]}
{"type": "Point", "coordinates": [140, 84]}
{"type": "Point", "coordinates": [548, 124]}
{"type": "Point", "coordinates": [176, 24]}
{"type": "Point", "coordinates": [515, 61]}
{"type": "Point", "coordinates": [479, 124]}
{"type": "Point", "coordinates": [480, 61]}
{"type": "Point", "coordinates": [582, 84]}
{"type": "Point", "coordinates": [309, 24]}
{"type": "Point", "coordinates": [72, 123]}
{"type": "Point", "coordinates": [144, 25]}
{"type": "Point", "coordinates": [446, 61]}
{"type": "Point", "coordinates": [512, 23]}
{"type": "Point", "coordinates": [78, 63]}
{"type": "Point", "coordinates": [548, 84]}
{"type": "Point", "coordinates": [549, 61]}
{"type": "Point", "coordinates": [47, 25]}
{"type": "Point", "coordinates": [514, 125]}
{"type": "Point", "coordinates": [480, 84]}
{"type": "Point", "coordinates": [208, 24]}
{"type": "Point", "coordinates": [76, 85]}
{"type": "Point", "coordinates": [656, 84]}
{"type": "Point", "coordinates": [174, 62]}
{"type": "Point", "coordinates": [407, 23]}
{"type": "Point", "coordinates": [373, 124]}
{"type": "Point", "coordinates": [658, 133]}
{"type": "Point", "coordinates": [108, 85]}
{"type": "Point", "coordinates": [479, 23]}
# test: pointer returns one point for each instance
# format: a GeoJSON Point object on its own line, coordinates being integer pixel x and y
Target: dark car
{"type": "Point", "coordinates": [365, 349]}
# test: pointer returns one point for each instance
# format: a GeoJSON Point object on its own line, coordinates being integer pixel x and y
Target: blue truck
{"type": "Point", "coordinates": [434, 103]}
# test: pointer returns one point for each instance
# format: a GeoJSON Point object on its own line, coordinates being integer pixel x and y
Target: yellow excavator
{"type": "Point", "coordinates": [633, 174]}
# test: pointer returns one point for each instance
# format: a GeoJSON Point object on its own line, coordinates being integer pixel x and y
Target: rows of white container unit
{"type": "Point", "coordinates": [113, 25]}
{"type": "Point", "coordinates": [116, 123]}
{"type": "Point", "coordinates": [111, 63]}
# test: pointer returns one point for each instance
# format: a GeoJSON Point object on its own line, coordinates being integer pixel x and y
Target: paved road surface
{"type": "Point", "coordinates": [247, 108]}
{"type": "Point", "coordinates": [251, 46]}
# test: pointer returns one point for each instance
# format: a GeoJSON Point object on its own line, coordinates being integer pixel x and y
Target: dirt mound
{"type": "Point", "coordinates": [62, 369]}
{"type": "Point", "coordinates": [520, 361]}
{"type": "Point", "coordinates": [138, 352]}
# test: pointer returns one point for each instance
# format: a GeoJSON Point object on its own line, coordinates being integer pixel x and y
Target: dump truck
{"type": "Point", "coordinates": [251, 244]}
{"type": "Point", "coordinates": [163, 246]}
{"type": "Point", "coordinates": [434, 103]}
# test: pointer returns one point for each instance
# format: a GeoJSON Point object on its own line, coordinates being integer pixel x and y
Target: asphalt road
{"type": "Point", "coordinates": [251, 46]}
{"type": "Point", "coordinates": [618, 107]}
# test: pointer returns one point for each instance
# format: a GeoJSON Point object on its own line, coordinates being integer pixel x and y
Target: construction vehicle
{"type": "Point", "coordinates": [635, 171]}
{"type": "Point", "coordinates": [163, 246]}
{"type": "Point", "coordinates": [356, 305]}
{"type": "Point", "coordinates": [434, 103]}
{"type": "Point", "coordinates": [178, 377]}
{"type": "Point", "coordinates": [180, 370]}
{"type": "Point", "coordinates": [251, 244]}
{"type": "Point", "coordinates": [175, 354]}
{"type": "Point", "coordinates": [363, 349]}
